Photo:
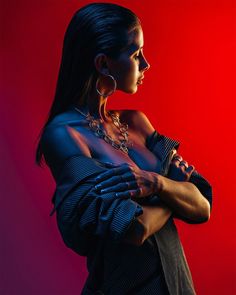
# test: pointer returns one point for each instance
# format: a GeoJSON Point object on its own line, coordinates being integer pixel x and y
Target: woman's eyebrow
{"type": "Point", "coordinates": [134, 47]}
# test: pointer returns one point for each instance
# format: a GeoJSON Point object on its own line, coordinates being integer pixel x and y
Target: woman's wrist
{"type": "Point", "coordinates": [158, 183]}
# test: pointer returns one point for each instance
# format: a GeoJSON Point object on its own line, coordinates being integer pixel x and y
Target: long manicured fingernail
{"type": "Point", "coordinates": [98, 186]}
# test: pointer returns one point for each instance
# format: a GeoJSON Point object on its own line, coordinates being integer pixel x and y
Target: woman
{"type": "Point", "coordinates": [119, 183]}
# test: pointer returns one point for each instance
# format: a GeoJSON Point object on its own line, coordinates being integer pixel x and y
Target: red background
{"type": "Point", "coordinates": [188, 94]}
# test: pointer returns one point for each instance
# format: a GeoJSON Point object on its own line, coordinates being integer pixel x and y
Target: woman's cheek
{"type": "Point", "coordinates": [127, 77]}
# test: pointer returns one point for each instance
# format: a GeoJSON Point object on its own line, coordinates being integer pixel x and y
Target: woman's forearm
{"type": "Point", "coordinates": [183, 198]}
{"type": "Point", "coordinates": [151, 221]}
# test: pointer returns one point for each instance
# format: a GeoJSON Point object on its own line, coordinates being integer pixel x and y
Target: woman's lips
{"type": "Point", "coordinates": [140, 80]}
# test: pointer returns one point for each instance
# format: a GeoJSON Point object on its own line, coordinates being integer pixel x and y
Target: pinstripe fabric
{"type": "Point", "coordinates": [93, 224]}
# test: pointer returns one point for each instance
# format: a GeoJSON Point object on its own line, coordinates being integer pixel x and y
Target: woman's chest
{"type": "Point", "coordinates": [138, 154]}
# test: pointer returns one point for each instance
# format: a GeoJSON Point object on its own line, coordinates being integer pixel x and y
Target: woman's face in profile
{"type": "Point", "coordinates": [129, 68]}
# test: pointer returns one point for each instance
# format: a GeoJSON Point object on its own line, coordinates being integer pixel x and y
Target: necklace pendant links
{"type": "Point", "coordinates": [96, 127]}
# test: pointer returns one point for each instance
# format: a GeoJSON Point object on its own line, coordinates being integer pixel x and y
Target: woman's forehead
{"type": "Point", "coordinates": [136, 41]}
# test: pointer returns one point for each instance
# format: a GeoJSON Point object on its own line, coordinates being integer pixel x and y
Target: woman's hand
{"type": "Point", "coordinates": [179, 169]}
{"type": "Point", "coordinates": [128, 181]}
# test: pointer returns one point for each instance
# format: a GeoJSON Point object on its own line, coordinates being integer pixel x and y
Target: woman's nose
{"type": "Point", "coordinates": [145, 65]}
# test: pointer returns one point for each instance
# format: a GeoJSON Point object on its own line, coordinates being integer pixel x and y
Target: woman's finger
{"type": "Point", "coordinates": [111, 165]}
{"type": "Point", "coordinates": [114, 171]}
{"type": "Point", "coordinates": [110, 182]}
{"type": "Point", "coordinates": [120, 187]}
{"type": "Point", "coordinates": [130, 194]}
{"type": "Point", "coordinates": [128, 176]}
{"type": "Point", "coordinates": [184, 163]}
{"type": "Point", "coordinates": [177, 158]}
{"type": "Point", "coordinates": [190, 169]}
{"type": "Point", "coordinates": [115, 188]}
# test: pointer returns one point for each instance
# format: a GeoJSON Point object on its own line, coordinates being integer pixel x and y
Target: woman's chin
{"type": "Point", "coordinates": [129, 90]}
{"type": "Point", "coordinates": [132, 90]}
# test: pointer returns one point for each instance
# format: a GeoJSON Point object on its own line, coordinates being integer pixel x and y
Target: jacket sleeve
{"type": "Point", "coordinates": [83, 213]}
{"type": "Point", "coordinates": [162, 146]}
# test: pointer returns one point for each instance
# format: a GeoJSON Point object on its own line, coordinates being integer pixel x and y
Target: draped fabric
{"type": "Point", "coordinates": [93, 224]}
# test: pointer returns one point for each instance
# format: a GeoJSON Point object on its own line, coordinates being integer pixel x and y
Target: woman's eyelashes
{"type": "Point", "coordinates": [138, 55]}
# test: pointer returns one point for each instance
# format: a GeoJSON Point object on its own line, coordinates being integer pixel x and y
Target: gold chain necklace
{"type": "Point", "coordinates": [95, 126]}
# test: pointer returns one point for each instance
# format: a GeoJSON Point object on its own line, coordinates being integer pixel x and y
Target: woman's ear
{"type": "Point", "coordinates": [100, 62]}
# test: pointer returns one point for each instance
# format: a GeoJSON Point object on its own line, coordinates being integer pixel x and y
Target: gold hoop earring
{"type": "Point", "coordinates": [104, 95]}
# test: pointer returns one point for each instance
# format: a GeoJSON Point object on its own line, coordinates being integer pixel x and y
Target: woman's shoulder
{"type": "Point", "coordinates": [137, 121]}
{"type": "Point", "coordinates": [60, 140]}
{"type": "Point", "coordinates": [66, 117]}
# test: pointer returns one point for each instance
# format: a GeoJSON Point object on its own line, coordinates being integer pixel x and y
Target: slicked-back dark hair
{"type": "Point", "coordinates": [95, 28]}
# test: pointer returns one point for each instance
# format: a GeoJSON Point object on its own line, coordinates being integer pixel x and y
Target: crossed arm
{"type": "Point", "coordinates": [178, 196]}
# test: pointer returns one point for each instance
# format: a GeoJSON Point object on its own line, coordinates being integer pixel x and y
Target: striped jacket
{"type": "Point", "coordinates": [93, 224]}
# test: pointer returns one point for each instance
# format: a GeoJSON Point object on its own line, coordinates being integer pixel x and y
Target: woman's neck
{"type": "Point", "coordinates": [96, 107]}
